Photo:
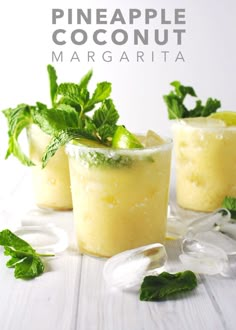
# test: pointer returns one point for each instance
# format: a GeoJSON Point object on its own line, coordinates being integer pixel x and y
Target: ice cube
{"type": "Point", "coordinates": [45, 239]}
{"type": "Point", "coordinates": [203, 258]}
{"type": "Point", "coordinates": [208, 222]}
{"type": "Point", "coordinates": [127, 269]}
{"type": "Point", "coordinates": [218, 239]}
{"type": "Point", "coordinates": [229, 229]}
{"type": "Point", "coordinates": [36, 216]}
{"type": "Point", "coordinates": [152, 139]}
{"type": "Point", "coordinates": [204, 265]}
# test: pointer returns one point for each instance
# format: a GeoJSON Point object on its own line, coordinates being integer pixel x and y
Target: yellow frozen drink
{"type": "Point", "coordinates": [205, 150]}
{"type": "Point", "coordinates": [120, 196]}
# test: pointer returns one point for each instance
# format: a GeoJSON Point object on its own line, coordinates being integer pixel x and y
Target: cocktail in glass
{"type": "Point", "coordinates": [120, 196]}
{"type": "Point", "coordinates": [205, 152]}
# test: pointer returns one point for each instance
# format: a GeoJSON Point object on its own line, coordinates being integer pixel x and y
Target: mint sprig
{"type": "Point", "coordinates": [52, 121]}
{"type": "Point", "coordinates": [67, 118]}
{"type": "Point", "coordinates": [177, 109]}
{"type": "Point", "coordinates": [61, 138]}
{"type": "Point", "coordinates": [75, 113]}
{"type": "Point", "coordinates": [18, 119]}
{"type": "Point", "coordinates": [24, 259]}
{"type": "Point", "coordinates": [52, 75]}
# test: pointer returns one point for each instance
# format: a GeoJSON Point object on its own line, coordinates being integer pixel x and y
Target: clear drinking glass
{"type": "Point", "coordinates": [119, 197]}
{"type": "Point", "coordinates": [205, 152]}
{"type": "Point", "coordinates": [51, 185]}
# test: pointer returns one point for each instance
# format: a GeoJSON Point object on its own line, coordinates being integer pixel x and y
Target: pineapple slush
{"type": "Point", "coordinates": [51, 184]}
{"type": "Point", "coordinates": [119, 196]}
{"type": "Point", "coordinates": [205, 150]}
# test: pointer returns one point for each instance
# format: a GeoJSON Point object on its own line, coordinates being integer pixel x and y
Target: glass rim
{"type": "Point", "coordinates": [71, 148]}
{"type": "Point", "coordinates": [185, 122]}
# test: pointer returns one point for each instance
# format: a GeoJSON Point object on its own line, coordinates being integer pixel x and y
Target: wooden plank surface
{"type": "Point", "coordinates": [72, 294]}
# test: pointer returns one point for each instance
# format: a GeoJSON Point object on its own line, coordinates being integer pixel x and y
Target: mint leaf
{"type": "Point", "coordinates": [230, 204]}
{"type": "Point", "coordinates": [175, 103]}
{"type": "Point", "coordinates": [66, 101]}
{"type": "Point", "coordinates": [106, 114]}
{"type": "Point", "coordinates": [24, 258]}
{"type": "Point", "coordinates": [106, 132]}
{"type": "Point", "coordinates": [102, 91]}
{"type": "Point", "coordinates": [60, 139]}
{"type": "Point", "coordinates": [175, 107]}
{"type": "Point", "coordinates": [181, 91]}
{"type": "Point", "coordinates": [18, 119]}
{"type": "Point", "coordinates": [155, 288]}
{"type": "Point", "coordinates": [7, 238]}
{"type": "Point", "coordinates": [53, 83]}
{"type": "Point", "coordinates": [41, 106]}
{"type": "Point", "coordinates": [210, 107]}
{"type": "Point", "coordinates": [89, 126]}
{"type": "Point", "coordinates": [85, 80]}
{"type": "Point", "coordinates": [105, 119]}
{"type": "Point", "coordinates": [74, 93]}
{"type": "Point", "coordinates": [51, 121]}
{"type": "Point", "coordinates": [29, 267]}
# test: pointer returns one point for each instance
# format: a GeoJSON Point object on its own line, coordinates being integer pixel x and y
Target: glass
{"type": "Point", "coordinates": [52, 184]}
{"type": "Point", "coordinates": [205, 152]}
{"type": "Point", "coordinates": [119, 197]}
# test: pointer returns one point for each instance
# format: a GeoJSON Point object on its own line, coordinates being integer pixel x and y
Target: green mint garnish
{"type": "Point", "coordinates": [67, 118]}
{"type": "Point", "coordinates": [165, 285]}
{"type": "Point", "coordinates": [18, 119]}
{"type": "Point", "coordinates": [24, 258]}
{"type": "Point", "coordinates": [175, 103]}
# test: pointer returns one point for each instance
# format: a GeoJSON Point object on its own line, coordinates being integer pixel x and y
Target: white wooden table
{"type": "Point", "coordinates": [72, 293]}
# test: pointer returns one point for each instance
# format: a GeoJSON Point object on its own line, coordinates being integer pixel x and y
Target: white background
{"type": "Point", "coordinates": [208, 46]}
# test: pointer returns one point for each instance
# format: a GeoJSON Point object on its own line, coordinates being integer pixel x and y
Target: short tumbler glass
{"type": "Point", "coordinates": [120, 196]}
{"type": "Point", "coordinates": [205, 153]}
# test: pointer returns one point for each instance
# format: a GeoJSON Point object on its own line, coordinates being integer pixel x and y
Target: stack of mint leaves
{"type": "Point", "coordinates": [67, 118]}
{"type": "Point", "coordinates": [177, 109]}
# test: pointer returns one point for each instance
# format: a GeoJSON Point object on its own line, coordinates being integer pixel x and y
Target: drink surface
{"type": "Point", "coordinates": [205, 151]}
{"type": "Point", "coordinates": [52, 184]}
{"type": "Point", "coordinates": [120, 199]}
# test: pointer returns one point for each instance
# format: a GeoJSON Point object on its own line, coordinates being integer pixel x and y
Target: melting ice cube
{"type": "Point", "coordinates": [208, 222]}
{"type": "Point", "coordinates": [127, 269]}
{"type": "Point", "coordinates": [229, 229]}
{"type": "Point", "coordinates": [204, 258]}
{"type": "Point", "coordinates": [45, 239]}
{"type": "Point", "coordinates": [219, 240]}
